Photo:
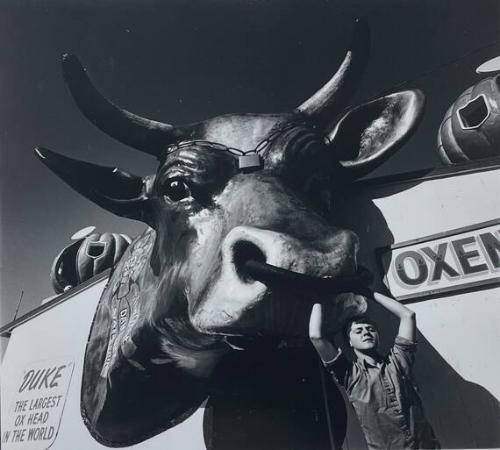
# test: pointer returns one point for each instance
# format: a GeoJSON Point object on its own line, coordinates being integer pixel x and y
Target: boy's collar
{"type": "Point", "coordinates": [368, 361]}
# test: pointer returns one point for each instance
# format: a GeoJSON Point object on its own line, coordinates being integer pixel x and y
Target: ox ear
{"type": "Point", "coordinates": [111, 188]}
{"type": "Point", "coordinates": [369, 134]}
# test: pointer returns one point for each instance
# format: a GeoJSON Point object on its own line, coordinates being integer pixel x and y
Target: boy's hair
{"type": "Point", "coordinates": [346, 329]}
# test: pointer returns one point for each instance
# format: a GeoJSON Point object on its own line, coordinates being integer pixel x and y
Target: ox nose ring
{"type": "Point", "coordinates": [269, 274]}
{"type": "Point", "coordinates": [250, 263]}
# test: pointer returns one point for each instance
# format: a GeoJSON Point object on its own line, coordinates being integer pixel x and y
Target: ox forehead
{"type": "Point", "coordinates": [250, 136]}
{"type": "Point", "coordinates": [242, 131]}
{"type": "Point", "coordinates": [226, 253]}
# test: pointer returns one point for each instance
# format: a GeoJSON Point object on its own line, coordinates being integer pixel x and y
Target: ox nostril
{"type": "Point", "coordinates": [244, 251]}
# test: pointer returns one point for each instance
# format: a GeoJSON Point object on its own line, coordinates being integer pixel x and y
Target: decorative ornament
{"type": "Point", "coordinates": [470, 129]}
{"type": "Point", "coordinates": [90, 254]}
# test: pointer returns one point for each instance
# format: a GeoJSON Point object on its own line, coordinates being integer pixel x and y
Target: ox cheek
{"type": "Point", "coordinates": [204, 260]}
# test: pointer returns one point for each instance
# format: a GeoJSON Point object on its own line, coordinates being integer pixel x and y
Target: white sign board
{"type": "Point", "coordinates": [36, 406]}
{"type": "Point", "coordinates": [450, 261]}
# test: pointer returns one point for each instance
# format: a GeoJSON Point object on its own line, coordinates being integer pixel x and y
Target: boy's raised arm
{"type": "Point", "coordinates": [326, 350]}
{"type": "Point", "coordinates": [407, 318]}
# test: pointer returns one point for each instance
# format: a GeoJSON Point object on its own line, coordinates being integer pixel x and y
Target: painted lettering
{"type": "Point", "coordinates": [492, 246]}
{"type": "Point", "coordinates": [21, 405]}
{"type": "Point", "coordinates": [41, 433]}
{"type": "Point", "coordinates": [5, 437]}
{"type": "Point", "coordinates": [45, 402]}
{"type": "Point", "coordinates": [34, 380]}
{"type": "Point", "coordinates": [26, 380]}
{"type": "Point", "coordinates": [45, 378]}
{"type": "Point", "coordinates": [19, 420]}
{"type": "Point", "coordinates": [18, 435]}
{"type": "Point", "coordinates": [422, 272]}
{"type": "Point", "coordinates": [41, 378]}
{"type": "Point", "coordinates": [38, 418]}
{"type": "Point", "coordinates": [57, 375]}
{"type": "Point", "coordinates": [464, 256]}
{"type": "Point", "coordinates": [429, 266]}
{"type": "Point", "coordinates": [440, 265]}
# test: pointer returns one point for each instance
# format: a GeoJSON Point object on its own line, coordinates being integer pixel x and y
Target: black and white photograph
{"type": "Point", "coordinates": [249, 224]}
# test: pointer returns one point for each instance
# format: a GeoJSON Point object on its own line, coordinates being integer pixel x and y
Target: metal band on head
{"type": "Point", "coordinates": [246, 160]}
{"type": "Point", "coordinates": [249, 160]}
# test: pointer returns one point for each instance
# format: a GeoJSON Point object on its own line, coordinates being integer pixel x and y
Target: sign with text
{"type": "Point", "coordinates": [36, 406]}
{"type": "Point", "coordinates": [446, 262]}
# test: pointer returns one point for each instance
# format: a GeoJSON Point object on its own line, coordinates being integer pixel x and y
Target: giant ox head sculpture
{"type": "Point", "coordinates": [240, 238]}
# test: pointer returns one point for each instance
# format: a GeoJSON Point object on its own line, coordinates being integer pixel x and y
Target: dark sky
{"type": "Point", "coordinates": [183, 61]}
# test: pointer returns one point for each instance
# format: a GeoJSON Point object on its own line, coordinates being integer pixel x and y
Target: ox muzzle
{"type": "Point", "coordinates": [268, 280]}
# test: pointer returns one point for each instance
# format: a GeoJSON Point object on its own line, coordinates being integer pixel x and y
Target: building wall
{"type": "Point", "coordinates": [457, 365]}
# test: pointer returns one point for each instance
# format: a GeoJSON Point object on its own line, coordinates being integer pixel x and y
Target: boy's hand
{"type": "Point", "coordinates": [337, 313]}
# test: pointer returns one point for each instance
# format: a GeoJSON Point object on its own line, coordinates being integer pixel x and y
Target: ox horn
{"type": "Point", "coordinates": [143, 134]}
{"type": "Point", "coordinates": [335, 94]}
{"type": "Point", "coordinates": [111, 188]}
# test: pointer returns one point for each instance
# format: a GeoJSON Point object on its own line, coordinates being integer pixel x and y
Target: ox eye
{"type": "Point", "coordinates": [176, 190]}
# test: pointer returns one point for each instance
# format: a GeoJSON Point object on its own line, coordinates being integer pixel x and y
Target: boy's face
{"type": "Point", "coordinates": [363, 336]}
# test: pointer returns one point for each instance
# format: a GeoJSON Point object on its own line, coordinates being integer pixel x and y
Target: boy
{"type": "Point", "coordinates": [381, 389]}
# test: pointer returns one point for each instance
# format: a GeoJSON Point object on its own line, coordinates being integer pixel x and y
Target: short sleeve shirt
{"type": "Point", "coordinates": [386, 399]}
